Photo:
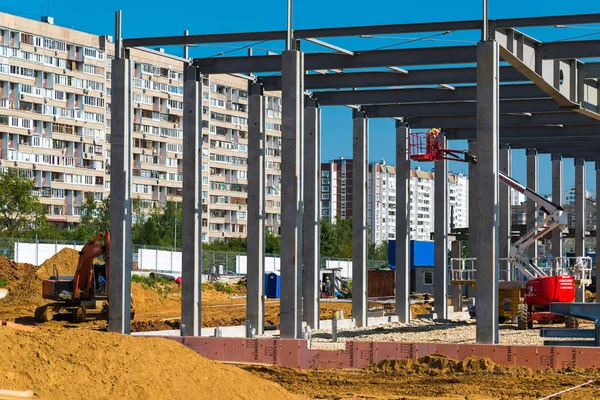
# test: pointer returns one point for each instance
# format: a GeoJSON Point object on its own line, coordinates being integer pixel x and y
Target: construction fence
{"type": "Point", "coordinates": [160, 259]}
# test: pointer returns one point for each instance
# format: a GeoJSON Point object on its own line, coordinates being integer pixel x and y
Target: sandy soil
{"type": "Point", "coordinates": [83, 364]}
{"type": "Point", "coordinates": [431, 377]}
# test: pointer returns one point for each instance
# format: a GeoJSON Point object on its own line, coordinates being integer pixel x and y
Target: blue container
{"type": "Point", "coordinates": [272, 285]}
{"type": "Point", "coordinates": [421, 254]}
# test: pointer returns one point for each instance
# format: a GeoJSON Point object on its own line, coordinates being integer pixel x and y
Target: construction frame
{"type": "Point", "coordinates": [509, 91]}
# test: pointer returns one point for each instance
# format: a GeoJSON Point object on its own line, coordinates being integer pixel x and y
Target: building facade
{"type": "Point", "coordinates": [55, 91]}
{"type": "Point", "coordinates": [336, 199]}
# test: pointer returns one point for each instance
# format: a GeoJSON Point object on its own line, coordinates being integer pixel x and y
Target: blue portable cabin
{"type": "Point", "coordinates": [272, 285]}
{"type": "Point", "coordinates": [421, 264]}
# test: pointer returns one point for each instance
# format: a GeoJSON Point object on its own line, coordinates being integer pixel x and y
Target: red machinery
{"type": "Point", "coordinates": [426, 146]}
{"type": "Point", "coordinates": [539, 289]}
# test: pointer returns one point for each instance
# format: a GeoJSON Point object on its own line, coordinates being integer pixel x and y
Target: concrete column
{"type": "Point", "coordinates": [505, 208]}
{"type": "Point", "coordinates": [312, 213]}
{"type": "Point", "coordinates": [485, 195]}
{"type": "Point", "coordinates": [360, 163]}
{"type": "Point", "coordinates": [597, 225]}
{"type": "Point", "coordinates": [456, 290]}
{"type": "Point", "coordinates": [530, 206]}
{"type": "Point", "coordinates": [292, 131]}
{"type": "Point", "coordinates": [402, 223]}
{"type": "Point", "coordinates": [119, 270]}
{"type": "Point", "coordinates": [557, 188]}
{"type": "Point", "coordinates": [440, 271]}
{"type": "Point", "coordinates": [256, 208]}
{"type": "Point", "coordinates": [191, 230]}
{"type": "Point", "coordinates": [580, 219]}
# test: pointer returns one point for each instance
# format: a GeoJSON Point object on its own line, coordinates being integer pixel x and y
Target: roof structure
{"type": "Point", "coordinates": [549, 91]}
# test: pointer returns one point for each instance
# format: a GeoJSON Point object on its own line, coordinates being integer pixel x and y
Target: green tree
{"type": "Point", "coordinates": [21, 212]}
{"type": "Point", "coordinates": [95, 218]}
{"type": "Point", "coordinates": [272, 243]}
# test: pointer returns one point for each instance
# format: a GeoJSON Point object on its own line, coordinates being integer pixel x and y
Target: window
{"type": "Point", "coordinates": [325, 188]}
{"type": "Point", "coordinates": [325, 181]}
{"type": "Point", "coordinates": [325, 173]}
{"type": "Point", "coordinates": [325, 196]}
{"type": "Point", "coordinates": [427, 278]}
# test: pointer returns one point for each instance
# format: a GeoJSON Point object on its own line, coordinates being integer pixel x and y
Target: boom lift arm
{"type": "Point", "coordinates": [555, 218]}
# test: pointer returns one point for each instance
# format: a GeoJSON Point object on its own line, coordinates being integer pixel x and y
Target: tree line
{"type": "Point", "coordinates": [24, 216]}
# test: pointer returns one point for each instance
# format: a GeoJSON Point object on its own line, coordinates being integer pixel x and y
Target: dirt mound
{"type": "Point", "coordinates": [148, 326]}
{"type": "Point", "coordinates": [437, 364]}
{"type": "Point", "coordinates": [11, 271]}
{"type": "Point", "coordinates": [150, 301]}
{"type": "Point", "coordinates": [54, 364]}
{"type": "Point", "coordinates": [65, 260]}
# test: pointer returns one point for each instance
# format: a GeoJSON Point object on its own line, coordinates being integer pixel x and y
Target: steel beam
{"type": "Point", "coordinates": [505, 120]}
{"type": "Point", "coordinates": [191, 287]}
{"type": "Point", "coordinates": [402, 222]}
{"type": "Point", "coordinates": [530, 206]}
{"type": "Point", "coordinates": [415, 77]}
{"type": "Point", "coordinates": [530, 132]}
{"type": "Point", "coordinates": [312, 214]}
{"type": "Point", "coordinates": [360, 30]}
{"type": "Point", "coordinates": [291, 227]}
{"type": "Point", "coordinates": [330, 46]}
{"type": "Point", "coordinates": [423, 95]}
{"type": "Point", "coordinates": [440, 262]}
{"type": "Point", "coordinates": [360, 59]}
{"type": "Point", "coordinates": [580, 219]}
{"type": "Point", "coordinates": [119, 284]}
{"type": "Point", "coordinates": [557, 187]}
{"type": "Point", "coordinates": [459, 108]}
{"type": "Point", "coordinates": [571, 49]}
{"type": "Point", "coordinates": [256, 208]}
{"type": "Point", "coordinates": [486, 192]}
{"type": "Point", "coordinates": [591, 70]}
{"type": "Point", "coordinates": [360, 164]}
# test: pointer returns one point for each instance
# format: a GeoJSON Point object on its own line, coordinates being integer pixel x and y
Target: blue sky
{"type": "Point", "coordinates": [158, 18]}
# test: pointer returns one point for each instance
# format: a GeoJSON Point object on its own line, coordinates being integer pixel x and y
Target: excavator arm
{"type": "Point", "coordinates": [83, 281]}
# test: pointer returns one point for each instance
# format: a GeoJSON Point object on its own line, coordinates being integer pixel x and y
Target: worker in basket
{"type": "Point", "coordinates": [432, 140]}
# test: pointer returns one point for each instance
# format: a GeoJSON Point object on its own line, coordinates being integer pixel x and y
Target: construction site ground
{"type": "Point", "coordinates": [60, 359]}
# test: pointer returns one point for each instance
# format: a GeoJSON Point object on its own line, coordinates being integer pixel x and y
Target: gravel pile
{"type": "Point", "coordinates": [426, 331]}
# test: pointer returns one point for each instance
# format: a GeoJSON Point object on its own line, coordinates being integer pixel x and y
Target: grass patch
{"type": "Point", "coordinates": [3, 283]}
{"type": "Point", "coordinates": [163, 286]}
{"type": "Point", "coordinates": [223, 288]}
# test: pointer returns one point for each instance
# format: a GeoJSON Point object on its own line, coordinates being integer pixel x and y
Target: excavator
{"type": "Point", "coordinates": [83, 297]}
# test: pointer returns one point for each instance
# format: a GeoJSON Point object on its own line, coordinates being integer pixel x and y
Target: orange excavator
{"type": "Point", "coordinates": [84, 296]}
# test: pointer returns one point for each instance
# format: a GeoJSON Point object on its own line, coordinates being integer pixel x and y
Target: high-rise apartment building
{"type": "Point", "coordinates": [55, 91]}
{"type": "Point", "coordinates": [336, 199]}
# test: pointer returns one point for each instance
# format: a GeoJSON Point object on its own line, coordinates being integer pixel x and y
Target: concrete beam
{"type": "Point", "coordinates": [291, 227]}
{"type": "Point", "coordinates": [440, 271]}
{"type": "Point", "coordinates": [256, 208]}
{"type": "Point", "coordinates": [360, 164]}
{"type": "Point", "coordinates": [557, 198]}
{"type": "Point", "coordinates": [402, 222]}
{"type": "Point", "coordinates": [312, 213]}
{"type": "Point", "coordinates": [371, 79]}
{"type": "Point", "coordinates": [505, 120]}
{"type": "Point", "coordinates": [191, 274]}
{"type": "Point", "coordinates": [580, 219]}
{"type": "Point", "coordinates": [423, 95]}
{"type": "Point", "coordinates": [119, 283]}
{"type": "Point", "coordinates": [516, 134]}
{"type": "Point", "coordinates": [531, 210]}
{"type": "Point", "coordinates": [459, 108]}
{"type": "Point", "coordinates": [486, 192]}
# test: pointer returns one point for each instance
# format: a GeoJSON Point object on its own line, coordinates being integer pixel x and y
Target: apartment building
{"type": "Point", "coordinates": [336, 198]}
{"type": "Point", "coordinates": [55, 91]}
